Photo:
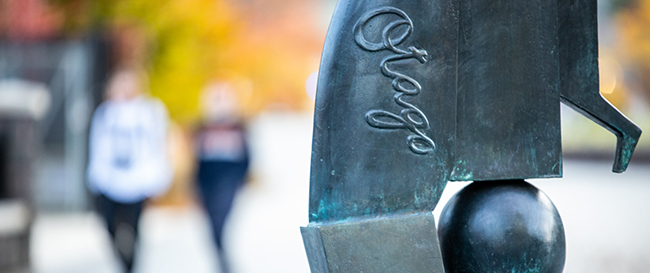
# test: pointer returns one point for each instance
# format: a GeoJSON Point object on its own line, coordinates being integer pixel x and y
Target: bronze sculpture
{"type": "Point", "coordinates": [413, 94]}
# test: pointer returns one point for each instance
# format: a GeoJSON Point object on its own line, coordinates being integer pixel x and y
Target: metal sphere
{"type": "Point", "coordinates": [501, 226]}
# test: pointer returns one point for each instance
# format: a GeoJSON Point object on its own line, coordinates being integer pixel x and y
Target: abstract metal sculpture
{"type": "Point", "coordinates": [412, 94]}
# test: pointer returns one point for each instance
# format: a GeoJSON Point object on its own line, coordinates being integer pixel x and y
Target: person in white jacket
{"type": "Point", "coordinates": [128, 159]}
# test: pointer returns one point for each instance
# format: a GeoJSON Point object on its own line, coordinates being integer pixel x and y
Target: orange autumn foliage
{"type": "Point", "coordinates": [633, 23]}
{"type": "Point", "coordinates": [274, 45]}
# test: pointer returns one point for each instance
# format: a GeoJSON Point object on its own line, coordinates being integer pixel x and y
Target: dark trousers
{"type": "Point", "coordinates": [122, 221]}
{"type": "Point", "coordinates": [218, 182]}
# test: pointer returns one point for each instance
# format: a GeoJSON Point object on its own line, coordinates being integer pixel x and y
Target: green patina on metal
{"type": "Point", "coordinates": [399, 114]}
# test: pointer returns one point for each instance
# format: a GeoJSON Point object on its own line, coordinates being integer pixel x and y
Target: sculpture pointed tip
{"type": "Point", "coordinates": [625, 148]}
{"type": "Point", "coordinates": [619, 169]}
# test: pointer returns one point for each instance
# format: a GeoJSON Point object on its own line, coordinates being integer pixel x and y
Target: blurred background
{"type": "Point", "coordinates": [56, 57]}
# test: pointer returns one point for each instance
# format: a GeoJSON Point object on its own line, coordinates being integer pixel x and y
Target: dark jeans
{"type": "Point", "coordinates": [218, 183]}
{"type": "Point", "coordinates": [122, 221]}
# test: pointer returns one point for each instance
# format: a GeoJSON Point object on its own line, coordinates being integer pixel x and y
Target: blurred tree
{"type": "Point", "coordinates": [273, 44]}
{"type": "Point", "coordinates": [612, 84]}
{"type": "Point", "coordinates": [633, 20]}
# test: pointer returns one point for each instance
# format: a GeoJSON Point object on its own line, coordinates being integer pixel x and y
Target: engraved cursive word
{"type": "Point", "coordinates": [411, 117]}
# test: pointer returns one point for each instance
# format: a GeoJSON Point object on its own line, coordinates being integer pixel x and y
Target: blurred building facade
{"type": "Point", "coordinates": [72, 45]}
{"type": "Point", "coordinates": [73, 70]}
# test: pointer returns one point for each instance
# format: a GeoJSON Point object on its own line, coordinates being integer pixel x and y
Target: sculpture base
{"type": "Point", "coordinates": [398, 243]}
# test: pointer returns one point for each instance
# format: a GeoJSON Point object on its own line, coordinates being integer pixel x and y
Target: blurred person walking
{"type": "Point", "coordinates": [128, 160]}
{"type": "Point", "coordinates": [223, 157]}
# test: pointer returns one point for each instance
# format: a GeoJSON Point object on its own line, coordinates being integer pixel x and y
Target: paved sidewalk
{"type": "Point", "coordinates": [606, 218]}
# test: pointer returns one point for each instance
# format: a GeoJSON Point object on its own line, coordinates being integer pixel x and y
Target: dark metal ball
{"type": "Point", "coordinates": [501, 226]}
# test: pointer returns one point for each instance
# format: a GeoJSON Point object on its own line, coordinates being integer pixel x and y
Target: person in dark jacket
{"type": "Point", "coordinates": [223, 157]}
